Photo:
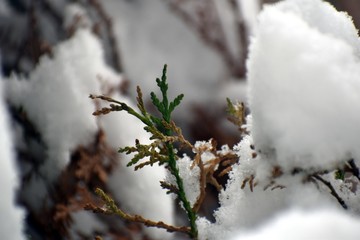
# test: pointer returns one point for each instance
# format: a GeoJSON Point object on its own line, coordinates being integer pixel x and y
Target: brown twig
{"type": "Point", "coordinates": [228, 161]}
{"type": "Point", "coordinates": [208, 169]}
{"type": "Point", "coordinates": [249, 180]}
{"type": "Point", "coordinates": [202, 182]}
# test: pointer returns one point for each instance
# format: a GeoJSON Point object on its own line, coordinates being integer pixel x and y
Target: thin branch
{"type": "Point", "coordinates": [251, 183]}
{"type": "Point", "coordinates": [202, 182]}
{"type": "Point", "coordinates": [111, 208]}
{"type": "Point", "coordinates": [332, 190]}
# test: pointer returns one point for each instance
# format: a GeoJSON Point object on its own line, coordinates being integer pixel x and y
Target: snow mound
{"type": "Point", "coordinates": [303, 70]}
{"type": "Point", "coordinates": [55, 97]}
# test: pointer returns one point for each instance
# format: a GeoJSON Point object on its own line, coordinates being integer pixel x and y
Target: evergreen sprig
{"type": "Point", "coordinates": [164, 132]}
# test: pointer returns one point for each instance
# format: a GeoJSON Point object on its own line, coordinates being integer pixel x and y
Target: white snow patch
{"type": "Point", "coordinates": [55, 97]}
{"type": "Point", "coordinates": [304, 86]}
{"type": "Point", "coordinates": [191, 178]}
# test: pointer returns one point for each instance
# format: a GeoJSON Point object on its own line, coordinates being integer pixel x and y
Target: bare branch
{"type": "Point", "coordinates": [332, 190]}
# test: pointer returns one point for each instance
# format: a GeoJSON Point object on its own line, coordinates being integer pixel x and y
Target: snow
{"type": "Point", "coordinates": [244, 151]}
{"type": "Point", "coordinates": [298, 224]}
{"type": "Point", "coordinates": [236, 203]}
{"type": "Point", "coordinates": [304, 92]}
{"type": "Point", "coordinates": [190, 175]}
{"type": "Point", "coordinates": [243, 210]}
{"type": "Point", "coordinates": [11, 216]}
{"type": "Point", "coordinates": [64, 119]}
{"type": "Point", "coordinates": [204, 148]}
{"type": "Point", "coordinates": [317, 14]}
{"type": "Point", "coordinates": [55, 98]}
{"type": "Point", "coordinates": [304, 101]}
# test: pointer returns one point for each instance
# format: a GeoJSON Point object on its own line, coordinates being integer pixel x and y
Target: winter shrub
{"type": "Point", "coordinates": [294, 174]}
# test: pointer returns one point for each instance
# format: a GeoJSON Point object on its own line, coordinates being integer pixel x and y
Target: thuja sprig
{"type": "Point", "coordinates": [164, 133]}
